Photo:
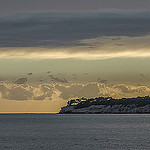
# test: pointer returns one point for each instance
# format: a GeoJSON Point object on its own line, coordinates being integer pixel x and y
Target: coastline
{"type": "Point", "coordinates": [108, 105]}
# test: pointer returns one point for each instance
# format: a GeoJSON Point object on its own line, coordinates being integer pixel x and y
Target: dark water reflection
{"type": "Point", "coordinates": [74, 132]}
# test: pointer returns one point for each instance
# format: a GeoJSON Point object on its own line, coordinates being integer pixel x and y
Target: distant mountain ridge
{"type": "Point", "coordinates": [107, 105]}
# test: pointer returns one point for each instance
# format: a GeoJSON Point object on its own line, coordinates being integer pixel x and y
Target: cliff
{"type": "Point", "coordinates": [107, 105]}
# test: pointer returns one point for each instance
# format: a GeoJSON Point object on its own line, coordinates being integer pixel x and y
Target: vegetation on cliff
{"type": "Point", "coordinates": [109, 101]}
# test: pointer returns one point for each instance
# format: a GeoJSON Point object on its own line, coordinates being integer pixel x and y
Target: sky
{"type": "Point", "coordinates": [9, 6]}
{"type": "Point", "coordinates": [52, 51]}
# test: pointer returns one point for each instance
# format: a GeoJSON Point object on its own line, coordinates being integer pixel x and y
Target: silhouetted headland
{"type": "Point", "coordinates": [107, 105]}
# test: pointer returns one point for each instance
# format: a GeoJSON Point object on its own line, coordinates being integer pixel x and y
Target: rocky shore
{"type": "Point", "coordinates": [107, 105]}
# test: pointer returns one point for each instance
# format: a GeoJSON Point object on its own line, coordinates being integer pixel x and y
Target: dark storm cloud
{"type": "Point", "coordinates": [12, 6]}
{"type": "Point", "coordinates": [63, 80]}
{"type": "Point", "coordinates": [21, 81]}
{"type": "Point", "coordinates": [30, 73]}
{"type": "Point", "coordinates": [67, 28]}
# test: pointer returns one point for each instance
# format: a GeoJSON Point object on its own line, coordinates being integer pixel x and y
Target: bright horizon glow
{"type": "Point", "coordinates": [94, 55]}
{"type": "Point", "coordinates": [90, 49]}
{"type": "Point", "coordinates": [31, 106]}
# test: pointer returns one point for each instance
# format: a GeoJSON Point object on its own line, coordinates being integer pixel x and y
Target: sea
{"type": "Point", "coordinates": [74, 132]}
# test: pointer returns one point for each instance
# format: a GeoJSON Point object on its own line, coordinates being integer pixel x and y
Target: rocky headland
{"type": "Point", "coordinates": [107, 105]}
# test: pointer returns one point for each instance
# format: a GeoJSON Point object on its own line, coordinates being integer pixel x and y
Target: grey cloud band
{"type": "Point", "coordinates": [53, 29]}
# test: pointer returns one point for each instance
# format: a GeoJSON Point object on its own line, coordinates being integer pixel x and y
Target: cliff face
{"type": "Point", "coordinates": [107, 106]}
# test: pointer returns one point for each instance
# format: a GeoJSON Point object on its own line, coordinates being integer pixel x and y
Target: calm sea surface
{"type": "Point", "coordinates": [74, 132]}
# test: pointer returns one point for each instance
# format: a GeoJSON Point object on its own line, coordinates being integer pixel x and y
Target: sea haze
{"type": "Point", "coordinates": [74, 132]}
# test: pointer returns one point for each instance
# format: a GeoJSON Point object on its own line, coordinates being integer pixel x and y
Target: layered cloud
{"type": "Point", "coordinates": [67, 28]}
{"type": "Point", "coordinates": [123, 90]}
{"type": "Point", "coordinates": [9, 91]}
{"type": "Point", "coordinates": [25, 92]}
{"type": "Point", "coordinates": [85, 35]}
{"type": "Point", "coordinates": [78, 90]}
{"type": "Point", "coordinates": [93, 49]}
{"type": "Point", "coordinates": [8, 6]}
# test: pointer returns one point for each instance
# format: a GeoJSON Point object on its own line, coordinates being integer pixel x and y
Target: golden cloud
{"type": "Point", "coordinates": [94, 49]}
